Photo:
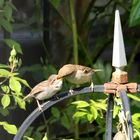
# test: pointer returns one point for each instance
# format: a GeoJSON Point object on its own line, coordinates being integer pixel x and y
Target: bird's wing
{"type": "Point", "coordinates": [66, 70]}
{"type": "Point", "coordinates": [38, 88]}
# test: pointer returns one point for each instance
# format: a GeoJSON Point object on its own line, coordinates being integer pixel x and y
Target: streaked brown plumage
{"type": "Point", "coordinates": [45, 89]}
{"type": "Point", "coordinates": [76, 74]}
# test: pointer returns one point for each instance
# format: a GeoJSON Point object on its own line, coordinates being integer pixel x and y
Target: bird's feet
{"type": "Point", "coordinates": [56, 97]}
{"type": "Point", "coordinates": [71, 91]}
{"type": "Point", "coordinates": [39, 106]}
{"type": "Point", "coordinates": [91, 86]}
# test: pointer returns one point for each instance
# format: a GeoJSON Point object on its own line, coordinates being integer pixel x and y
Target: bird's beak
{"type": "Point", "coordinates": [96, 70]}
{"type": "Point", "coordinates": [58, 77]}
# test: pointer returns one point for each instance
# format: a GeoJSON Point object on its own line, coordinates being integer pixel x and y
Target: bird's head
{"type": "Point", "coordinates": [56, 82]}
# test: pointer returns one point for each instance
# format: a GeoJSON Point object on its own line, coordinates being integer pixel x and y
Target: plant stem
{"type": "Point", "coordinates": [87, 13]}
{"type": "Point", "coordinates": [136, 48]}
{"type": "Point", "coordinates": [76, 131]}
{"type": "Point", "coordinates": [83, 47]}
{"type": "Point", "coordinates": [75, 52]}
{"type": "Point", "coordinates": [74, 32]}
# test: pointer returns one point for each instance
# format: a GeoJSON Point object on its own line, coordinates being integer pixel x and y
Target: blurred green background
{"type": "Point", "coordinates": [46, 34]}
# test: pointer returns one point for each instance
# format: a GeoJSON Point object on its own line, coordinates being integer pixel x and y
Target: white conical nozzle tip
{"type": "Point", "coordinates": [119, 56]}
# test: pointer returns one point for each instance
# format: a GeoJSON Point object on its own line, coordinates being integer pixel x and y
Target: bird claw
{"type": "Point", "coordinates": [40, 108]}
{"type": "Point", "coordinates": [91, 86]}
{"type": "Point", "coordinates": [71, 91]}
{"type": "Point", "coordinates": [56, 97]}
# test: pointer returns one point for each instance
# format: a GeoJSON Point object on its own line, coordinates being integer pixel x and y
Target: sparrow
{"type": "Point", "coordinates": [77, 74]}
{"type": "Point", "coordinates": [45, 89]}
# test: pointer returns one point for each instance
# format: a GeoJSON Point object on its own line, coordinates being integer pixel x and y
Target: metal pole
{"type": "Point", "coordinates": [109, 114]}
{"type": "Point", "coordinates": [138, 89]}
{"type": "Point", "coordinates": [127, 112]}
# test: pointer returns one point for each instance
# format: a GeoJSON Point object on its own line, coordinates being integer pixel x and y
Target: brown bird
{"type": "Point", "coordinates": [77, 74]}
{"type": "Point", "coordinates": [45, 89]}
{"type": "Point", "coordinates": [120, 136]}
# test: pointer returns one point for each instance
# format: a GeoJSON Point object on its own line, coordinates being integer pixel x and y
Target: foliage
{"type": "Point", "coordinates": [135, 15]}
{"type": "Point", "coordinates": [11, 43]}
{"type": "Point", "coordinates": [82, 112]}
{"type": "Point", "coordinates": [89, 109]}
{"type": "Point", "coordinates": [11, 88]}
{"type": "Point", "coordinates": [11, 85]}
{"type": "Point", "coordinates": [11, 129]}
{"type": "Point", "coordinates": [36, 133]}
{"type": "Point", "coordinates": [6, 17]}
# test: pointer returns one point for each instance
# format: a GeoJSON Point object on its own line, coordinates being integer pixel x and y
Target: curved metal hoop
{"type": "Point", "coordinates": [127, 112]}
{"type": "Point", "coordinates": [62, 96]}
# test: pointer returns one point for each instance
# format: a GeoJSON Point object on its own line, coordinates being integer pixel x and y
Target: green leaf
{"type": "Point", "coordinates": [8, 12]}
{"type": "Point", "coordinates": [11, 43]}
{"type": "Point", "coordinates": [23, 82]}
{"type": "Point", "coordinates": [6, 25]}
{"type": "Point", "coordinates": [5, 101]}
{"type": "Point", "coordinates": [90, 118]}
{"type": "Point", "coordinates": [12, 6]}
{"type": "Point", "coordinates": [65, 121]}
{"type": "Point", "coordinates": [5, 73]}
{"type": "Point", "coordinates": [134, 13]}
{"type": "Point", "coordinates": [45, 137]}
{"type": "Point", "coordinates": [81, 104]}
{"type": "Point", "coordinates": [15, 85]}
{"type": "Point", "coordinates": [134, 97]}
{"type": "Point", "coordinates": [116, 111]}
{"type": "Point", "coordinates": [4, 111]}
{"type": "Point", "coordinates": [79, 114]}
{"type": "Point", "coordinates": [55, 112]}
{"type": "Point", "coordinates": [11, 129]}
{"type": "Point", "coordinates": [94, 112]}
{"type": "Point", "coordinates": [28, 138]}
{"type": "Point", "coordinates": [5, 88]}
{"type": "Point", "coordinates": [137, 133]}
{"type": "Point", "coordinates": [4, 66]}
{"type": "Point", "coordinates": [98, 105]}
{"type": "Point", "coordinates": [20, 102]}
{"type": "Point", "coordinates": [136, 116]}
{"type": "Point", "coordinates": [136, 120]}
{"type": "Point", "coordinates": [82, 109]}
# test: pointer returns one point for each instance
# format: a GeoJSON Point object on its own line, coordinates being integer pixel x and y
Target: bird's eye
{"type": "Point", "coordinates": [85, 71]}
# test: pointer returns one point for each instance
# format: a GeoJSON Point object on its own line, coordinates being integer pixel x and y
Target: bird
{"type": "Point", "coordinates": [77, 74]}
{"type": "Point", "coordinates": [120, 136]}
{"type": "Point", "coordinates": [45, 89]}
